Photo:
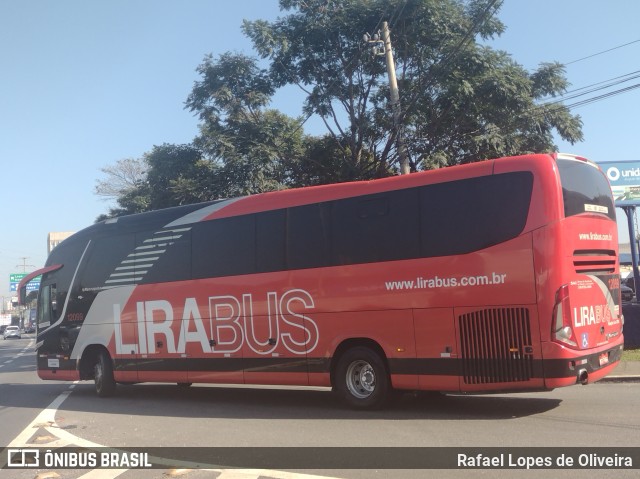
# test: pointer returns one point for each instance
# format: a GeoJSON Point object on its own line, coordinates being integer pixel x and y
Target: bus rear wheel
{"type": "Point", "coordinates": [361, 379]}
{"type": "Point", "coordinates": [103, 375]}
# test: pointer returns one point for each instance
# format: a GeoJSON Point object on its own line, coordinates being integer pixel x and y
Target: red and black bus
{"type": "Point", "coordinates": [500, 275]}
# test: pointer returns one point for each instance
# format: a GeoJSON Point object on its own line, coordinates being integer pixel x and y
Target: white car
{"type": "Point", "coordinates": [12, 332]}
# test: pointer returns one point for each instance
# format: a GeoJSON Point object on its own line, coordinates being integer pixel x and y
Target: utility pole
{"type": "Point", "coordinates": [395, 94]}
{"type": "Point", "coordinates": [395, 100]}
{"type": "Point", "coordinates": [24, 264]}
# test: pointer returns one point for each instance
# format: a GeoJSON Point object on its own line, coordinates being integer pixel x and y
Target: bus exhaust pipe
{"type": "Point", "coordinates": [583, 377]}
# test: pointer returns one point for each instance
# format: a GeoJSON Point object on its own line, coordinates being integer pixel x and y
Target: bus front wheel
{"type": "Point", "coordinates": [103, 375]}
{"type": "Point", "coordinates": [361, 379]}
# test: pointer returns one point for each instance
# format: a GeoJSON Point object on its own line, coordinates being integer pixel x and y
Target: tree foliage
{"type": "Point", "coordinates": [121, 178]}
{"type": "Point", "coordinates": [254, 147]}
{"type": "Point", "coordinates": [31, 299]}
{"type": "Point", "coordinates": [460, 101]}
{"type": "Point", "coordinates": [174, 175]}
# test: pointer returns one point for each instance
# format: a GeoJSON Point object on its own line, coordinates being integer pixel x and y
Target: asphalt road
{"type": "Point", "coordinates": [147, 415]}
{"type": "Point", "coordinates": [22, 394]}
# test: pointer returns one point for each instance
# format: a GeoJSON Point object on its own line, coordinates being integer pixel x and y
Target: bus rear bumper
{"type": "Point", "coordinates": [582, 369]}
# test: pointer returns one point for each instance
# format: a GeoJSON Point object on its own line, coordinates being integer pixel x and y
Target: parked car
{"type": "Point", "coordinates": [12, 332]}
{"type": "Point", "coordinates": [629, 282]}
{"type": "Point", "coordinates": [626, 292]}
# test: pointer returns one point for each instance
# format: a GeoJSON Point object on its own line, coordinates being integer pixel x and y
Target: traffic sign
{"type": "Point", "coordinates": [15, 278]}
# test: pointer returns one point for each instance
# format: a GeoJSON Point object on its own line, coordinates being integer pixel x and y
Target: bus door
{"type": "Point", "coordinates": [160, 356]}
{"type": "Point", "coordinates": [160, 264]}
{"type": "Point", "coordinates": [277, 337]}
{"type": "Point", "coordinates": [102, 301]}
{"type": "Point", "coordinates": [53, 344]}
{"type": "Point", "coordinates": [436, 349]}
{"type": "Point", "coordinates": [126, 350]}
{"type": "Point", "coordinates": [213, 340]}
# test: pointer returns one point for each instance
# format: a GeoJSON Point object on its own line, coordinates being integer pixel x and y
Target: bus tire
{"type": "Point", "coordinates": [103, 375]}
{"type": "Point", "coordinates": [361, 379]}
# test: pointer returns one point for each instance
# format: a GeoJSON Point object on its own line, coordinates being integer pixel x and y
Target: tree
{"type": "Point", "coordinates": [173, 175]}
{"type": "Point", "coordinates": [177, 175]}
{"type": "Point", "coordinates": [460, 101]}
{"type": "Point", "coordinates": [324, 162]}
{"type": "Point", "coordinates": [254, 148]}
{"type": "Point", "coordinates": [125, 176]}
{"type": "Point", "coordinates": [31, 299]}
{"type": "Point", "coordinates": [131, 202]}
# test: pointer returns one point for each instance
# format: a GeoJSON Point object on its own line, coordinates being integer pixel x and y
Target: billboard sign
{"type": "Point", "coordinates": [624, 177]}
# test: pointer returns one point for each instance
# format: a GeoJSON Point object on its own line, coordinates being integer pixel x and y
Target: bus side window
{"type": "Point", "coordinates": [308, 235]}
{"type": "Point", "coordinates": [270, 241]}
{"type": "Point", "coordinates": [475, 213]}
{"type": "Point", "coordinates": [372, 208]}
{"type": "Point", "coordinates": [223, 247]}
{"type": "Point", "coordinates": [381, 227]}
{"type": "Point", "coordinates": [48, 304]}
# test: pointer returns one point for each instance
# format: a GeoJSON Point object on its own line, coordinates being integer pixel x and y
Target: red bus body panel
{"type": "Point", "coordinates": [474, 322]}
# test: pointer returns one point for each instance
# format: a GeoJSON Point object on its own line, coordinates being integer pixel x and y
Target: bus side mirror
{"type": "Point", "coordinates": [22, 286]}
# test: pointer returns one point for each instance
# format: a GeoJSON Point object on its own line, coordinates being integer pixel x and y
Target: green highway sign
{"type": "Point", "coordinates": [16, 277]}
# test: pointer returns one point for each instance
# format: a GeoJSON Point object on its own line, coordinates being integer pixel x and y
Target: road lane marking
{"type": "Point", "coordinates": [26, 350]}
{"type": "Point", "coordinates": [46, 421]}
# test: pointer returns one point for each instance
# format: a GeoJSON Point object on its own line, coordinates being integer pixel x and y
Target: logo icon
{"type": "Point", "coordinates": [23, 458]}
{"type": "Point", "coordinates": [613, 173]}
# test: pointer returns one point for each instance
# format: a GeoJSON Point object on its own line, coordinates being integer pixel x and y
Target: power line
{"type": "Point", "coordinates": [560, 102]}
{"type": "Point", "coordinates": [604, 96]}
{"type": "Point", "coordinates": [601, 82]}
{"type": "Point", "coordinates": [490, 10]}
{"type": "Point", "coordinates": [24, 264]}
{"type": "Point", "coordinates": [607, 84]}
{"type": "Point", "coordinates": [602, 52]}
{"type": "Point", "coordinates": [392, 22]}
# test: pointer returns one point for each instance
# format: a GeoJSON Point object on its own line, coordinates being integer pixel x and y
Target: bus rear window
{"type": "Point", "coordinates": [585, 189]}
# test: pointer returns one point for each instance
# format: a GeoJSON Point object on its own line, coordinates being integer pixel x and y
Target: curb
{"type": "Point", "coordinates": [620, 379]}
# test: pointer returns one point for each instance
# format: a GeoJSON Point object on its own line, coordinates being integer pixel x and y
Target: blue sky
{"type": "Point", "coordinates": [86, 83]}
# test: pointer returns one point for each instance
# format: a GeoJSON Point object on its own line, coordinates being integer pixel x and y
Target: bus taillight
{"type": "Point", "coordinates": [562, 330]}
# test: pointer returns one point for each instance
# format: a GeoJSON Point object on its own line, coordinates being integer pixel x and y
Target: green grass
{"type": "Point", "coordinates": [631, 355]}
